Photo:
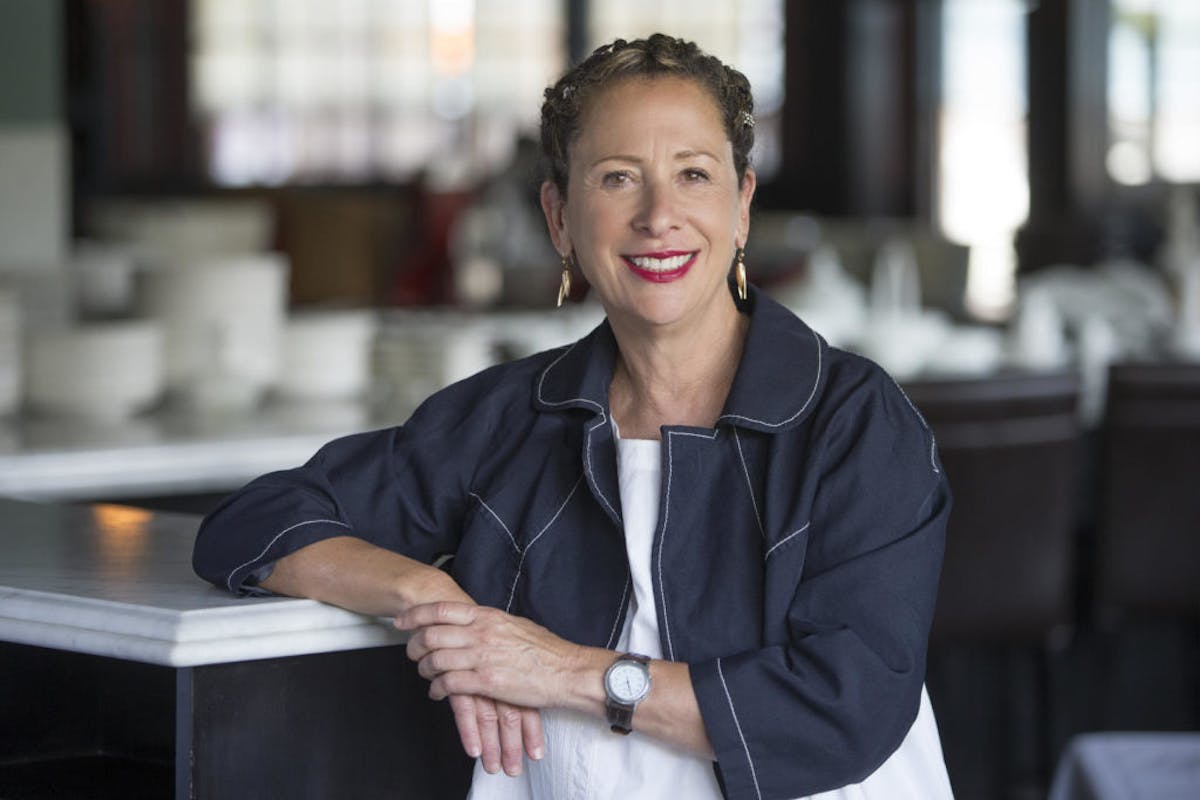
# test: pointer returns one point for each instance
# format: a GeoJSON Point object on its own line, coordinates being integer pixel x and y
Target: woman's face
{"type": "Point", "coordinates": [654, 210]}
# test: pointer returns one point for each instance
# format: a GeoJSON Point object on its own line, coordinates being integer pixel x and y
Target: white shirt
{"type": "Point", "coordinates": [585, 760]}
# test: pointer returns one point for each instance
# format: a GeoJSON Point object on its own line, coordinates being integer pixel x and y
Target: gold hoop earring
{"type": "Point", "coordinates": [740, 274]}
{"type": "Point", "coordinates": [564, 284]}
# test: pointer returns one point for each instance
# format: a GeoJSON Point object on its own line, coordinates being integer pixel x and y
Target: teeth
{"type": "Point", "coordinates": [660, 264]}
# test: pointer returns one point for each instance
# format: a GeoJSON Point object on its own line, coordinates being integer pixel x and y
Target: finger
{"type": "Point", "coordinates": [440, 662]}
{"type": "Point", "coordinates": [444, 613]}
{"type": "Point", "coordinates": [436, 637]}
{"type": "Point", "coordinates": [531, 733]}
{"type": "Point", "coordinates": [465, 720]}
{"type": "Point", "coordinates": [489, 734]}
{"type": "Point", "coordinates": [509, 724]}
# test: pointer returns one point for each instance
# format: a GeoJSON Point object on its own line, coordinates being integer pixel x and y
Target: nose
{"type": "Point", "coordinates": [658, 212]}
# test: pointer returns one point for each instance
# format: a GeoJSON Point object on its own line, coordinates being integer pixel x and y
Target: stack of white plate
{"type": "Point", "coordinates": [103, 370]}
{"type": "Point", "coordinates": [10, 351]}
{"type": "Point", "coordinates": [178, 227]}
{"type": "Point", "coordinates": [417, 353]}
{"type": "Point", "coordinates": [223, 320]}
{"type": "Point", "coordinates": [327, 355]}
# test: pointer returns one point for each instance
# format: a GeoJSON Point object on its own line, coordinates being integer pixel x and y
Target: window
{"type": "Point", "coordinates": [354, 90]}
{"type": "Point", "coordinates": [983, 178]}
{"type": "Point", "coordinates": [1153, 94]}
{"type": "Point", "coordinates": [747, 34]}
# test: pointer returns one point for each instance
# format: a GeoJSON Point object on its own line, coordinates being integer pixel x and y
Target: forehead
{"type": "Point", "coordinates": [618, 110]}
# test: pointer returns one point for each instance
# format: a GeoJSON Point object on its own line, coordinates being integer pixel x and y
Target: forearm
{"type": "Point", "coordinates": [352, 573]}
{"type": "Point", "coordinates": [669, 713]}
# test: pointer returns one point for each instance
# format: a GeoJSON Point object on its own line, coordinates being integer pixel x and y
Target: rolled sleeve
{"type": "Point", "coordinates": [827, 707]}
{"type": "Point", "coordinates": [389, 487]}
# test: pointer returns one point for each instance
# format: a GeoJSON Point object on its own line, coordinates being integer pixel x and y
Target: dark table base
{"type": "Point", "coordinates": [353, 724]}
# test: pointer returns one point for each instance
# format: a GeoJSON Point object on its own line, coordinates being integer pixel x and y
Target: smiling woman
{"type": "Point", "coordinates": [698, 525]}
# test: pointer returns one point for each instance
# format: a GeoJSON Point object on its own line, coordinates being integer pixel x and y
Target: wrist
{"type": "Point", "coordinates": [420, 583]}
{"type": "Point", "coordinates": [583, 681]}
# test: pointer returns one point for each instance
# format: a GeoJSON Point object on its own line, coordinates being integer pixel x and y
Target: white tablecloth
{"type": "Point", "coordinates": [1129, 766]}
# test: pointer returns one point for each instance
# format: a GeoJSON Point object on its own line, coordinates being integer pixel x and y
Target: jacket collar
{"type": "Point", "coordinates": [776, 384]}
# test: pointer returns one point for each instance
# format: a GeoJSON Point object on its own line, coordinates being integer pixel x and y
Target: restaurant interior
{"type": "Point", "coordinates": [231, 230]}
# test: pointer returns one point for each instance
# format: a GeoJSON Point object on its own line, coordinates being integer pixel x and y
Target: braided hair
{"type": "Point", "coordinates": [654, 57]}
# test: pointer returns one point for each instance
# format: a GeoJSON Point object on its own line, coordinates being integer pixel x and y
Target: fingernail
{"type": "Point", "coordinates": [538, 753]}
{"type": "Point", "coordinates": [473, 752]}
{"type": "Point", "coordinates": [513, 771]}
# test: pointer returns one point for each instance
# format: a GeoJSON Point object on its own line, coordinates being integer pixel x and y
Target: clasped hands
{"type": "Point", "coordinates": [497, 669]}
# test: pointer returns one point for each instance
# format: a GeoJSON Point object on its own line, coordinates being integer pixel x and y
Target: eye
{"type": "Point", "coordinates": [619, 177]}
{"type": "Point", "coordinates": [695, 175]}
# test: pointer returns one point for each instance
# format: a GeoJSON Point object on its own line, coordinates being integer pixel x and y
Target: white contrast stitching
{"type": "Point", "coordinates": [802, 529]}
{"type": "Point", "coordinates": [603, 420]}
{"type": "Point", "coordinates": [513, 590]}
{"type": "Point", "coordinates": [496, 516]}
{"type": "Point", "coordinates": [546, 372]}
{"type": "Point", "coordinates": [738, 725]}
{"type": "Point", "coordinates": [924, 424]}
{"type": "Point", "coordinates": [811, 395]}
{"type": "Point", "coordinates": [229, 580]}
{"type": "Point", "coordinates": [754, 502]}
{"type": "Point", "coordinates": [612, 635]}
{"type": "Point", "coordinates": [588, 459]}
{"type": "Point", "coordinates": [661, 538]}
{"type": "Point", "coordinates": [662, 593]}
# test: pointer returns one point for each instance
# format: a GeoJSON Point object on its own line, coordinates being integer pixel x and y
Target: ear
{"type": "Point", "coordinates": [554, 207]}
{"type": "Point", "coordinates": [745, 195]}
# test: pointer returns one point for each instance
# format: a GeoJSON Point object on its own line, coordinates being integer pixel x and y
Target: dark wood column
{"type": "Point", "coordinates": [1068, 134]}
{"type": "Point", "coordinates": [860, 81]}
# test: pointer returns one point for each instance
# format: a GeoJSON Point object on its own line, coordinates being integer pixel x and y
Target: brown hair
{"type": "Point", "coordinates": [657, 56]}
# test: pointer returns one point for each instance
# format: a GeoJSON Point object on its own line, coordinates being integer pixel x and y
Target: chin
{"type": "Point", "coordinates": [661, 311]}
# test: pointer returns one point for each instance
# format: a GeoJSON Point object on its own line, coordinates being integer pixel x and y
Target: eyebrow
{"type": "Point", "coordinates": [682, 155]}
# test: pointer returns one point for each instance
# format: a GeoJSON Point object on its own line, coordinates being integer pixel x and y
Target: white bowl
{"type": "Point", "coordinates": [223, 320]}
{"type": "Point", "coordinates": [104, 370]}
{"type": "Point", "coordinates": [327, 354]}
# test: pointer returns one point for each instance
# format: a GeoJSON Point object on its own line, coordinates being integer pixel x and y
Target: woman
{"type": "Point", "coordinates": [699, 522]}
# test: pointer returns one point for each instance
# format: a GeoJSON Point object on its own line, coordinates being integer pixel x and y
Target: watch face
{"type": "Point", "coordinates": [627, 682]}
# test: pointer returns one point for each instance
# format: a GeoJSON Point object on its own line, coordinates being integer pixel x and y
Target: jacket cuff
{"type": "Point", "coordinates": [735, 762]}
{"type": "Point", "coordinates": [243, 578]}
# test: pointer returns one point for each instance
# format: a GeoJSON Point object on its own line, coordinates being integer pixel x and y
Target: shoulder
{"type": "Point", "coordinates": [861, 408]}
{"type": "Point", "coordinates": [498, 397]}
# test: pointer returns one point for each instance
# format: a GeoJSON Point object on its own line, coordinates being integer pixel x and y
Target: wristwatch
{"type": "Point", "coordinates": [626, 683]}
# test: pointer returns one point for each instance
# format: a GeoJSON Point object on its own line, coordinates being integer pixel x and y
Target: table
{"type": "Point", "coordinates": [1129, 766]}
{"type": "Point", "coordinates": [124, 674]}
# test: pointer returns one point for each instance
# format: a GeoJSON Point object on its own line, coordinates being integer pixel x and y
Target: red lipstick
{"type": "Point", "coordinates": [662, 266]}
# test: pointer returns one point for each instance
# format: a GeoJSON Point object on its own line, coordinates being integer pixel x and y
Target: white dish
{"type": "Point", "coordinates": [104, 370]}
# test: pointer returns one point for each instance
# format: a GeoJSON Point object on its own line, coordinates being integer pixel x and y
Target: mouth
{"type": "Point", "coordinates": [661, 267]}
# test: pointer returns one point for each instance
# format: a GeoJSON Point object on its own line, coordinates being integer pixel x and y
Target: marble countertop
{"type": "Point", "coordinates": [166, 452]}
{"type": "Point", "coordinates": [117, 581]}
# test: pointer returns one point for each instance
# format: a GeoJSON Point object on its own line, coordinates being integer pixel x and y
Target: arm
{"type": "Point", "coordinates": [352, 573]}
{"type": "Point", "coordinates": [359, 576]}
{"type": "Point", "coordinates": [466, 649]}
{"type": "Point", "coordinates": [335, 529]}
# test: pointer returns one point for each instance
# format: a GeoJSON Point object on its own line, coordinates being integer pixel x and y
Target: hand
{"type": "Point", "coordinates": [468, 649]}
{"type": "Point", "coordinates": [497, 733]}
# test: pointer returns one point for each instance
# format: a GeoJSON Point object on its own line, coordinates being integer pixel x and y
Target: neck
{"type": "Point", "coordinates": [674, 377]}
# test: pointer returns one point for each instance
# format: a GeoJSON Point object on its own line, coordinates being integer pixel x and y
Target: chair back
{"type": "Point", "coordinates": [1009, 445]}
{"type": "Point", "coordinates": [1148, 549]}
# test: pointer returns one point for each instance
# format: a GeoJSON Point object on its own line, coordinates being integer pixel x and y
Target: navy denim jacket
{"type": "Point", "coordinates": [795, 562]}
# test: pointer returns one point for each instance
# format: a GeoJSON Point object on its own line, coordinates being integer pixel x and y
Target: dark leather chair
{"type": "Point", "coordinates": [1010, 447]}
{"type": "Point", "coordinates": [1148, 546]}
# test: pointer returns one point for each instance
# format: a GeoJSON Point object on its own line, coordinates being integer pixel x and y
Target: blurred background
{"type": "Point", "coordinates": [231, 230]}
